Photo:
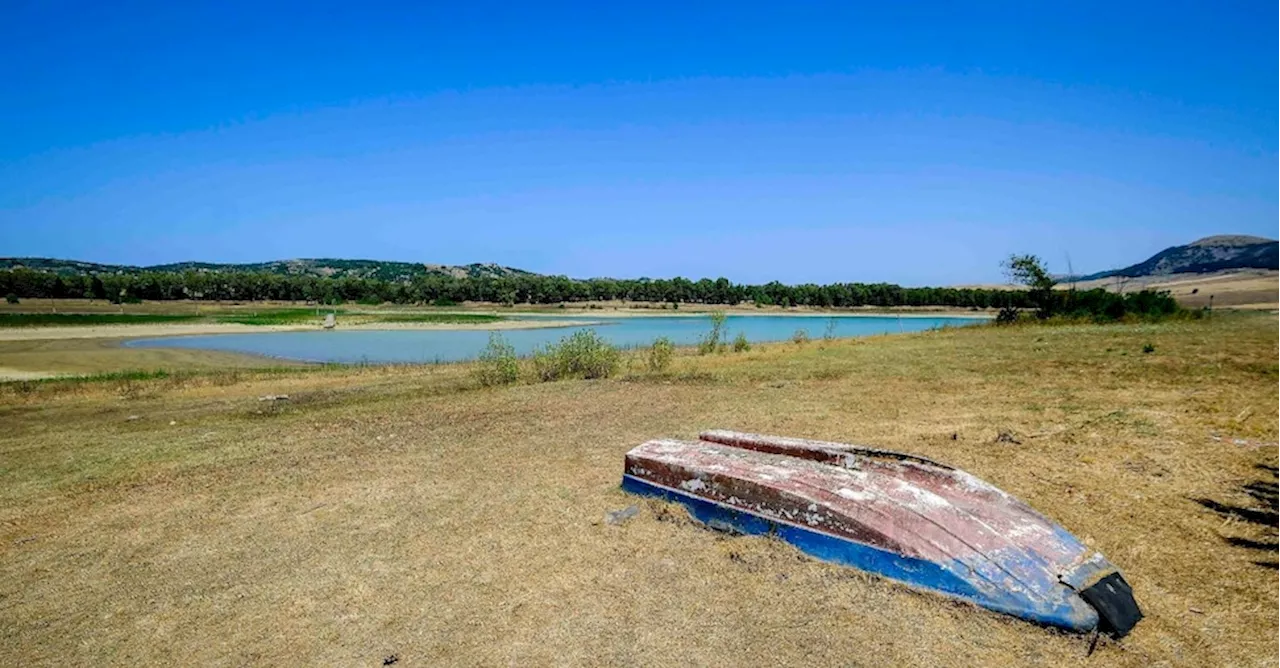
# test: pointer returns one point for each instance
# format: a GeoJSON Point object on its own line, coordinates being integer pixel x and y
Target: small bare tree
{"type": "Point", "coordinates": [1121, 283]}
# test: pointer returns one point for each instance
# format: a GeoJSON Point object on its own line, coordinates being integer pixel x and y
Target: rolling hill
{"type": "Point", "coordinates": [326, 267]}
{"type": "Point", "coordinates": [1210, 254]}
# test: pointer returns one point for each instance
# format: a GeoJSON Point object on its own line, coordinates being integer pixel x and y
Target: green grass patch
{"type": "Point", "coordinates": [84, 319]}
{"type": "Point", "coordinates": [286, 316]}
{"type": "Point", "coordinates": [441, 318]}
{"type": "Point", "coordinates": [272, 317]}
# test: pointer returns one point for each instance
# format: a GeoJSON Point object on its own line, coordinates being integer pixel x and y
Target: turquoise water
{"type": "Point", "coordinates": [416, 346]}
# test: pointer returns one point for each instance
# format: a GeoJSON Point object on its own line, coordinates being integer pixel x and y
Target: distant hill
{"type": "Point", "coordinates": [327, 267]}
{"type": "Point", "coordinates": [1210, 254]}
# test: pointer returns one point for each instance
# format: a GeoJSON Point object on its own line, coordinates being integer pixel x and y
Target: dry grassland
{"type": "Point", "coordinates": [1257, 289]}
{"type": "Point", "coordinates": [76, 356]}
{"type": "Point", "coordinates": [403, 511]}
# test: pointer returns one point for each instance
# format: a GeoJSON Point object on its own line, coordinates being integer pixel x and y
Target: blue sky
{"type": "Point", "coordinates": [916, 143]}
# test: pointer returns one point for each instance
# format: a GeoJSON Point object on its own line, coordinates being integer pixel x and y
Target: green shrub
{"type": "Point", "coordinates": [546, 365]}
{"type": "Point", "coordinates": [1007, 316]}
{"type": "Point", "coordinates": [1097, 305]}
{"type": "Point", "coordinates": [711, 342]}
{"type": "Point", "coordinates": [11, 298]}
{"type": "Point", "coordinates": [740, 343]}
{"type": "Point", "coordinates": [497, 364]}
{"type": "Point", "coordinates": [583, 354]}
{"type": "Point", "coordinates": [801, 337]}
{"type": "Point", "coordinates": [1030, 271]}
{"type": "Point", "coordinates": [1148, 348]}
{"type": "Point", "coordinates": [658, 358]}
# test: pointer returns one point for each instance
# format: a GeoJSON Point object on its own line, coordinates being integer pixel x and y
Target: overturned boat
{"type": "Point", "coordinates": [901, 516]}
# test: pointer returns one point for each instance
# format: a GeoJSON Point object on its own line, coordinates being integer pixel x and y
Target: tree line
{"type": "Point", "coordinates": [441, 289]}
{"type": "Point", "coordinates": [522, 289]}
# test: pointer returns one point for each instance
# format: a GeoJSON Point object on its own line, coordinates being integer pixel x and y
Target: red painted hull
{"type": "Point", "coordinates": [903, 516]}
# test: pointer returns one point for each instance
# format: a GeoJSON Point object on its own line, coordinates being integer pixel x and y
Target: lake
{"type": "Point", "coordinates": [417, 346]}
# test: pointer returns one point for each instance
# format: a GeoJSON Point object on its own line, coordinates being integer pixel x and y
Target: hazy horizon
{"type": "Point", "coordinates": [826, 143]}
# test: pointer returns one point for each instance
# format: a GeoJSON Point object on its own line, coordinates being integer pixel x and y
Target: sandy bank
{"type": "Point", "coordinates": [484, 326]}
{"type": "Point", "coordinates": [153, 330]}
{"type": "Point", "coordinates": [20, 374]}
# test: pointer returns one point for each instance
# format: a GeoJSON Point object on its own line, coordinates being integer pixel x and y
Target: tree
{"type": "Point", "coordinates": [96, 289]}
{"type": "Point", "coordinates": [1030, 271]}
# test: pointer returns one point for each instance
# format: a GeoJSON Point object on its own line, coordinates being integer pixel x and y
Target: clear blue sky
{"type": "Point", "coordinates": [917, 143]}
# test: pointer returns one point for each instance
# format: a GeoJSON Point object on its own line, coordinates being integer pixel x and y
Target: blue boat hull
{"type": "Point", "coordinates": [1066, 611]}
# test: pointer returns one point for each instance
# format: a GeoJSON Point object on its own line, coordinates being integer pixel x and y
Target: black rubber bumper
{"type": "Point", "coordinates": [1113, 599]}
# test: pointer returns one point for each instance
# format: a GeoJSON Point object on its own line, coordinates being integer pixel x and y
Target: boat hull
{"type": "Point", "coordinates": [969, 541]}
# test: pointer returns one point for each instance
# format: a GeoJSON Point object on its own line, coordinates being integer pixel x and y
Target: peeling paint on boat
{"type": "Point", "coordinates": [854, 495]}
{"type": "Point", "coordinates": [895, 514]}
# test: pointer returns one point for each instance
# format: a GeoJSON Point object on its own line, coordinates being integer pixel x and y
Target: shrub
{"type": "Point", "coordinates": [1148, 348]}
{"type": "Point", "coordinates": [801, 337]}
{"type": "Point", "coordinates": [444, 301]}
{"type": "Point", "coordinates": [583, 354]}
{"type": "Point", "coordinates": [829, 333]}
{"type": "Point", "coordinates": [658, 358]}
{"type": "Point", "coordinates": [1097, 304]}
{"type": "Point", "coordinates": [711, 342]}
{"type": "Point", "coordinates": [11, 298]}
{"type": "Point", "coordinates": [497, 364]}
{"type": "Point", "coordinates": [1007, 316]}
{"type": "Point", "coordinates": [740, 343]}
{"type": "Point", "coordinates": [545, 364]}
{"type": "Point", "coordinates": [1030, 271]}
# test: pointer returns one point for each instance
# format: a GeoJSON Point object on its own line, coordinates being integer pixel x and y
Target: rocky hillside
{"type": "Point", "coordinates": [1216, 253]}
{"type": "Point", "coordinates": [389, 271]}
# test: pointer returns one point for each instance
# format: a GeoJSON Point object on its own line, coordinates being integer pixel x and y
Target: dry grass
{"type": "Point", "coordinates": [1247, 289]}
{"type": "Point", "coordinates": [1242, 289]}
{"type": "Point", "coordinates": [51, 357]}
{"type": "Point", "coordinates": [402, 511]}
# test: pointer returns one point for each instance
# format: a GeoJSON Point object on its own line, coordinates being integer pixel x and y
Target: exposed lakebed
{"type": "Point", "coordinates": [418, 346]}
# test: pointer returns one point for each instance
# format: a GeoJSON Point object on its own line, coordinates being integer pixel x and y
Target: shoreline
{"type": "Point", "coordinates": [35, 353]}
{"type": "Point", "coordinates": [968, 315]}
{"type": "Point", "coordinates": [160, 330]}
